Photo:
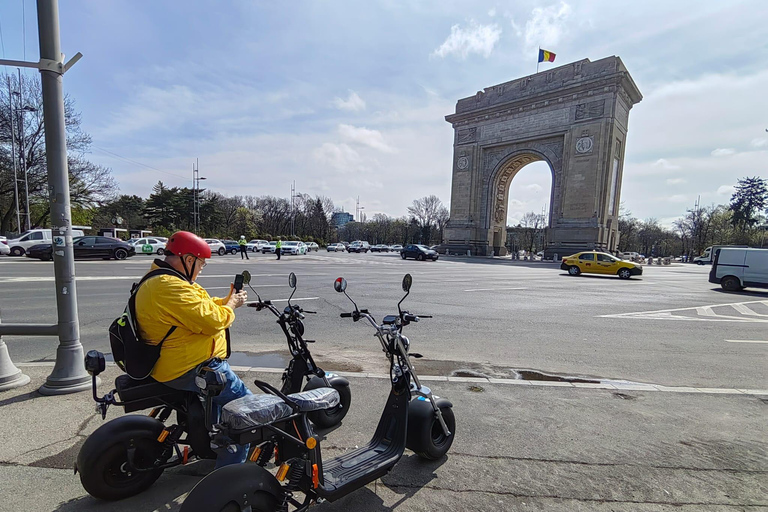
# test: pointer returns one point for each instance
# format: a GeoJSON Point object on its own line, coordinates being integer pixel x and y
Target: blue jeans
{"type": "Point", "coordinates": [234, 389]}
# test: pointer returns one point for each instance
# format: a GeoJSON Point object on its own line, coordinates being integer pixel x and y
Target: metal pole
{"type": "Point", "coordinates": [23, 151]}
{"type": "Point", "coordinates": [13, 156]}
{"type": "Point", "coordinates": [68, 374]}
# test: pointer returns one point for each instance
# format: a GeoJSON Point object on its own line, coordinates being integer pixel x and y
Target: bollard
{"type": "Point", "coordinates": [469, 253]}
{"type": "Point", "coordinates": [10, 376]}
{"type": "Point", "coordinates": [555, 258]}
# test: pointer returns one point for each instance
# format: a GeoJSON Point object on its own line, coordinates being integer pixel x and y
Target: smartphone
{"type": "Point", "coordinates": [238, 282]}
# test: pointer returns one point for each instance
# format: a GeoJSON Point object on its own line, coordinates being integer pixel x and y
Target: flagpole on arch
{"type": "Point", "coordinates": [538, 54]}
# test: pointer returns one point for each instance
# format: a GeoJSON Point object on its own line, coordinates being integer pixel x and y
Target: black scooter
{"type": "Point", "coordinates": [424, 424]}
{"type": "Point", "coordinates": [128, 454]}
{"type": "Point", "coordinates": [302, 365]}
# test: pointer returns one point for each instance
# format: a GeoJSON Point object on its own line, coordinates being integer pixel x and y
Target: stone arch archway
{"type": "Point", "coordinates": [573, 117]}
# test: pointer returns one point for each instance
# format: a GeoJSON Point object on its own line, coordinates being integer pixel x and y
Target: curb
{"type": "Point", "coordinates": [617, 386]}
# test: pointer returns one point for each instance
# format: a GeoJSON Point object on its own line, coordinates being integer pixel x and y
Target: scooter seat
{"type": "Point", "coordinates": [316, 399]}
{"type": "Point", "coordinates": [255, 410]}
{"type": "Point", "coordinates": [144, 393]}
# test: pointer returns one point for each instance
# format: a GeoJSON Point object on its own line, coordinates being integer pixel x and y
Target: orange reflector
{"type": "Point", "coordinates": [311, 443]}
{"type": "Point", "coordinates": [185, 456]}
{"type": "Point", "coordinates": [315, 476]}
{"type": "Point", "coordinates": [283, 471]}
{"type": "Point", "coordinates": [255, 454]}
{"type": "Point", "coordinates": [153, 412]}
{"type": "Point", "coordinates": [163, 435]}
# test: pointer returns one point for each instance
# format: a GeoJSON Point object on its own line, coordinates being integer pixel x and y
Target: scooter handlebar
{"type": "Point", "coordinates": [346, 315]}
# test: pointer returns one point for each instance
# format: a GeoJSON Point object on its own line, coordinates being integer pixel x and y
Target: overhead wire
{"type": "Point", "coordinates": [139, 163]}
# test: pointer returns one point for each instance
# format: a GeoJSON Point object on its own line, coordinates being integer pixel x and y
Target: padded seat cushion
{"type": "Point", "coordinates": [254, 410]}
{"type": "Point", "coordinates": [316, 399]}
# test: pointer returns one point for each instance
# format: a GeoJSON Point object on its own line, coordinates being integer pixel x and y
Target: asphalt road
{"type": "Point", "coordinates": [669, 327]}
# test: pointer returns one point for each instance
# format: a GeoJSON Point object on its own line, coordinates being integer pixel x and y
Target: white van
{"type": "Point", "coordinates": [708, 256]}
{"type": "Point", "coordinates": [32, 237]}
{"type": "Point", "coordinates": [736, 268]}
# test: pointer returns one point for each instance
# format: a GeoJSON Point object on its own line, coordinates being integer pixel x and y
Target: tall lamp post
{"type": "Point", "coordinates": [196, 178]}
{"type": "Point", "coordinates": [23, 110]}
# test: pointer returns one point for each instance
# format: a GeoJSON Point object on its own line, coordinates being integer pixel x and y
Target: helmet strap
{"type": "Point", "coordinates": [187, 272]}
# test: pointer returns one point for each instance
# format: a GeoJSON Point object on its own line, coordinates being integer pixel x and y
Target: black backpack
{"type": "Point", "coordinates": [132, 354]}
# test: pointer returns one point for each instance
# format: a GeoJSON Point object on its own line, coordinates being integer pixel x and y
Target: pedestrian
{"type": "Point", "coordinates": [243, 248]}
{"type": "Point", "coordinates": [278, 246]}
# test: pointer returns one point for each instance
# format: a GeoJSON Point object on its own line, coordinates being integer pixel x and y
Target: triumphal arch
{"type": "Point", "coordinates": [574, 118]}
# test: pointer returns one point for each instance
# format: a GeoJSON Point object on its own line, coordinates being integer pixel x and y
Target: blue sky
{"type": "Point", "coordinates": [349, 98]}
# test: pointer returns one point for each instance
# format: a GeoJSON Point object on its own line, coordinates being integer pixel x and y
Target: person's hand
{"type": "Point", "coordinates": [236, 300]}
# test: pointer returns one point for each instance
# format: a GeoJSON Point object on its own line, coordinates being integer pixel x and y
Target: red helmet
{"type": "Point", "coordinates": [184, 242]}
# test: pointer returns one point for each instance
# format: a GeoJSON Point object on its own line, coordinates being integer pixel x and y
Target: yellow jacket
{"type": "Point", "coordinates": [164, 301]}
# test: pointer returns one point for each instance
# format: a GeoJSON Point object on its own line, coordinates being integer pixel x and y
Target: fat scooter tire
{"type": "Point", "coordinates": [102, 459]}
{"type": "Point", "coordinates": [425, 434]}
{"type": "Point", "coordinates": [327, 418]}
{"type": "Point", "coordinates": [234, 488]}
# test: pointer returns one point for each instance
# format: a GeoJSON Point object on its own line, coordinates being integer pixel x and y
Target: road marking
{"type": "Point", "coordinates": [746, 341]}
{"type": "Point", "coordinates": [705, 313]}
{"type": "Point", "coordinates": [492, 289]}
{"type": "Point", "coordinates": [744, 310]}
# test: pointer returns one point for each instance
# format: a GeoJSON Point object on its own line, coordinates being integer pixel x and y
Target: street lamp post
{"type": "Point", "coordinates": [196, 178]}
{"type": "Point", "coordinates": [23, 110]}
{"type": "Point", "coordinates": [13, 156]}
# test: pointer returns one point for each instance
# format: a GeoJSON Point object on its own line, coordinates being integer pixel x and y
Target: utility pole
{"type": "Point", "coordinates": [23, 109]}
{"type": "Point", "coordinates": [293, 214]}
{"type": "Point", "coordinates": [13, 156]}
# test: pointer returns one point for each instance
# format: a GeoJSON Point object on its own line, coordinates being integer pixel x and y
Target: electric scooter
{"type": "Point", "coordinates": [302, 365]}
{"type": "Point", "coordinates": [412, 418]}
{"type": "Point", "coordinates": [128, 454]}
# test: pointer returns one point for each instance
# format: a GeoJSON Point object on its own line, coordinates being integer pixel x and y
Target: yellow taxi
{"type": "Point", "coordinates": [593, 262]}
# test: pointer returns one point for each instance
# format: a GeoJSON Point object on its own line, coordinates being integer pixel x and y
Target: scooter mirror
{"type": "Point", "coordinates": [95, 363]}
{"type": "Point", "coordinates": [407, 282]}
{"type": "Point", "coordinates": [292, 280]}
{"type": "Point", "coordinates": [246, 277]}
{"type": "Point", "coordinates": [340, 284]}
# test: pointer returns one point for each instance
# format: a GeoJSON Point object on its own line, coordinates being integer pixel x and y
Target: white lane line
{"type": "Point", "coordinates": [744, 310]}
{"type": "Point", "coordinates": [746, 341]}
{"type": "Point", "coordinates": [295, 299]}
{"type": "Point", "coordinates": [706, 311]}
{"type": "Point", "coordinates": [492, 289]}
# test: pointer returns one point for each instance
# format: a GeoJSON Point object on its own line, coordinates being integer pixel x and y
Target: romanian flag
{"type": "Point", "coordinates": [545, 56]}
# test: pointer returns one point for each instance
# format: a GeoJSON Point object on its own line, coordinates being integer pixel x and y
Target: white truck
{"type": "Point", "coordinates": [735, 268]}
{"type": "Point", "coordinates": [32, 237]}
{"type": "Point", "coordinates": [708, 256]}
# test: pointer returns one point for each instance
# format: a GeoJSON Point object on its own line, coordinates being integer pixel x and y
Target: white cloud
{"type": "Point", "coordinates": [534, 187]}
{"type": "Point", "coordinates": [477, 38]}
{"type": "Point", "coordinates": [676, 181]}
{"type": "Point", "coordinates": [546, 26]}
{"type": "Point", "coordinates": [663, 163]}
{"type": "Point", "coordinates": [492, 12]}
{"type": "Point", "coordinates": [353, 103]}
{"type": "Point", "coordinates": [723, 152]}
{"type": "Point", "coordinates": [339, 156]}
{"type": "Point", "coordinates": [725, 190]}
{"type": "Point", "coordinates": [371, 138]}
{"type": "Point", "coordinates": [678, 198]}
{"type": "Point", "coordinates": [759, 143]}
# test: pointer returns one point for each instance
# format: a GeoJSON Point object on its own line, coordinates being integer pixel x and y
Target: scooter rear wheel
{"type": "Point", "coordinates": [233, 489]}
{"type": "Point", "coordinates": [105, 473]}
{"type": "Point", "coordinates": [330, 417]}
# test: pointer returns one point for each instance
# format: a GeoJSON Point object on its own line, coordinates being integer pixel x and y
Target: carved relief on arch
{"type": "Point", "coordinates": [502, 184]}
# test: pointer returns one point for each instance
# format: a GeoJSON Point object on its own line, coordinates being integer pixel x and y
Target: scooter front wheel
{"type": "Point", "coordinates": [330, 417]}
{"type": "Point", "coordinates": [425, 433]}
{"type": "Point", "coordinates": [235, 488]}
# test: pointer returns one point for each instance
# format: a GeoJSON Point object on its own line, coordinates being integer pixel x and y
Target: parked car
{"type": "Point", "coordinates": [737, 268]}
{"type": "Point", "coordinates": [359, 246]}
{"type": "Point", "coordinates": [88, 247]}
{"type": "Point", "coordinates": [231, 246]}
{"type": "Point", "coordinates": [217, 247]}
{"type": "Point", "coordinates": [148, 245]}
{"type": "Point", "coordinates": [270, 247]}
{"type": "Point", "coordinates": [379, 248]}
{"type": "Point", "coordinates": [256, 245]}
{"type": "Point", "coordinates": [292, 247]}
{"type": "Point", "coordinates": [312, 246]}
{"type": "Point", "coordinates": [335, 248]}
{"type": "Point", "coordinates": [34, 237]}
{"type": "Point", "coordinates": [396, 248]}
{"type": "Point", "coordinates": [4, 249]}
{"type": "Point", "coordinates": [418, 252]}
{"type": "Point", "coordinates": [593, 262]}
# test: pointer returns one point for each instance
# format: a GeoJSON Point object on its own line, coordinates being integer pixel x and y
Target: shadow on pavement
{"type": "Point", "coordinates": [749, 293]}
{"type": "Point", "coordinates": [20, 398]}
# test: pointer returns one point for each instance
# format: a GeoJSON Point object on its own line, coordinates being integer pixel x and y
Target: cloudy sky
{"type": "Point", "coordinates": [348, 98]}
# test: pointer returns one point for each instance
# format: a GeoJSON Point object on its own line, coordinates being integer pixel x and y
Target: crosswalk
{"type": "Point", "coordinates": [755, 311]}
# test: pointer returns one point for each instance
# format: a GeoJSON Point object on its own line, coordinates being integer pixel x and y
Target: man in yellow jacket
{"type": "Point", "coordinates": [201, 322]}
